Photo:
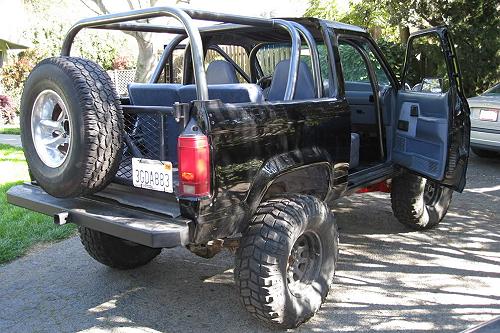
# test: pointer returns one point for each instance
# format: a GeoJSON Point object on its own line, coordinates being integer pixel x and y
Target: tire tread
{"type": "Point", "coordinates": [103, 126]}
{"type": "Point", "coordinates": [115, 252]}
{"type": "Point", "coordinates": [257, 259]}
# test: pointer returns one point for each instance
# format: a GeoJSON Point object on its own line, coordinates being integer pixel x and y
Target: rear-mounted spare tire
{"type": "Point", "coordinates": [71, 126]}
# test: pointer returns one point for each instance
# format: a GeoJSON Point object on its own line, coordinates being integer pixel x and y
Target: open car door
{"type": "Point", "coordinates": [433, 117]}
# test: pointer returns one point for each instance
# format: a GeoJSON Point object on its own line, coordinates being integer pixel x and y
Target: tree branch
{"type": "Point", "coordinates": [130, 5]}
{"type": "Point", "coordinates": [101, 6]}
{"type": "Point", "coordinates": [92, 9]}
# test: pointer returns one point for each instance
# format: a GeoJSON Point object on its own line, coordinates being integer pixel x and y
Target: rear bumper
{"type": "Point", "coordinates": [139, 226]}
{"type": "Point", "coordinates": [482, 138]}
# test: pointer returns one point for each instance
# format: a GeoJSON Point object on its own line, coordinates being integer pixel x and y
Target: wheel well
{"type": "Point", "coordinates": [311, 180]}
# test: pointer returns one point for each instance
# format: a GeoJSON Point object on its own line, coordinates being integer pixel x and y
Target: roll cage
{"type": "Point", "coordinates": [125, 21]}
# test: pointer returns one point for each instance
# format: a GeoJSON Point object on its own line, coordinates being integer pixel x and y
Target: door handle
{"type": "Point", "coordinates": [414, 111]}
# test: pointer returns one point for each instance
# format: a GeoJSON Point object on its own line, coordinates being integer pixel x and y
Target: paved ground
{"type": "Point", "coordinates": [389, 279]}
{"type": "Point", "coordinates": [9, 139]}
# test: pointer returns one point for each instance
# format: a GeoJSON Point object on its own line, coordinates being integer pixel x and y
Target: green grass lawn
{"type": "Point", "coordinates": [10, 130]}
{"type": "Point", "coordinates": [21, 229]}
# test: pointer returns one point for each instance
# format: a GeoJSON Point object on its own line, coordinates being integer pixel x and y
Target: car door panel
{"type": "Point", "coordinates": [361, 103]}
{"type": "Point", "coordinates": [433, 128]}
{"type": "Point", "coordinates": [422, 133]}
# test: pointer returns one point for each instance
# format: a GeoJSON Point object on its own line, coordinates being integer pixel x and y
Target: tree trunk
{"type": "Point", "coordinates": [404, 34]}
{"type": "Point", "coordinates": [145, 59]}
{"type": "Point", "coordinates": [376, 32]}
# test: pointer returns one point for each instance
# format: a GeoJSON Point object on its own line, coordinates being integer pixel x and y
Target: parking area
{"type": "Point", "coordinates": [389, 279]}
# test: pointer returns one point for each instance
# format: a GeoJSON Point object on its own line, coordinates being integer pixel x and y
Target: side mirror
{"type": "Point", "coordinates": [432, 85]}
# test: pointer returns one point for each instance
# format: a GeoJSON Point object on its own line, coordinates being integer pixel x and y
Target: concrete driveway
{"type": "Point", "coordinates": [10, 139]}
{"type": "Point", "coordinates": [389, 279]}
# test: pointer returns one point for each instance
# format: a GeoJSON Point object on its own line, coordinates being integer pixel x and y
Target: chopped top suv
{"type": "Point", "coordinates": [244, 137]}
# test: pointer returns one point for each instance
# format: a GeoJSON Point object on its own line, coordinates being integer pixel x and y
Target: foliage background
{"type": "Point", "coordinates": [475, 26]}
{"type": "Point", "coordinates": [45, 30]}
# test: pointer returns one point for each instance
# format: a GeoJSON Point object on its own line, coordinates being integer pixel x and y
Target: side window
{"type": "Point", "coordinates": [426, 67]}
{"type": "Point", "coordinates": [237, 53]}
{"type": "Point", "coordinates": [353, 65]}
{"type": "Point", "coordinates": [382, 77]}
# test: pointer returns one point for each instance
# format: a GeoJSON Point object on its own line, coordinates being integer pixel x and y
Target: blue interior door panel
{"type": "Point", "coordinates": [421, 138]}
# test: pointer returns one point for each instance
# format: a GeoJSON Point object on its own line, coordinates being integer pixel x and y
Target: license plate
{"type": "Point", "coordinates": [152, 174]}
{"type": "Point", "coordinates": [488, 115]}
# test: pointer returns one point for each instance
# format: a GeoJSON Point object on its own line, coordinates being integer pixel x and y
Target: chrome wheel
{"type": "Point", "coordinates": [304, 262]}
{"type": "Point", "coordinates": [50, 128]}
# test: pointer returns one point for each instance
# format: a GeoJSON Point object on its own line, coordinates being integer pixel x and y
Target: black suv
{"type": "Point", "coordinates": [247, 151]}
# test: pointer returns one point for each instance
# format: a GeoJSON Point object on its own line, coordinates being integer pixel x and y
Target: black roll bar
{"type": "Point", "coordinates": [293, 72]}
{"type": "Point", "coordinates": [316, 67]}
{"type": "Point", "coordinates": [180, 15]}
{"type": "Point", "coordinates": [164, 57]}
{"type": "Point", "coordinates": [186, 16]}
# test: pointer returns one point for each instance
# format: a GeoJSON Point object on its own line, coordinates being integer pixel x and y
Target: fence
{"type": "Point", "coordinates": [237, 53]}
{"type": "Point", "coordinates": [121, 78]}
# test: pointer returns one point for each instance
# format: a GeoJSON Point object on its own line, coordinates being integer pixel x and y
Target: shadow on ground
{"type": "Point", "coordinates": [389, 278]}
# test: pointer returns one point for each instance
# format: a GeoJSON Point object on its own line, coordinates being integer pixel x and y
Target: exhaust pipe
{"type": "Point", "coordinates": [61, 218]}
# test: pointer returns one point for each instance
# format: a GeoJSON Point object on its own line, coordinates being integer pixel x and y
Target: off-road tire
{"type": "Point", "coordinates": [115, 252]}
{"type": "Point", "coordinates": [410, 206]}
{"type": "Point", "coordinates": [96, 126]}
{"type": "Point", "coordinates": [263, 260]}
{"type": "Point", "coordinates": [483, 153]}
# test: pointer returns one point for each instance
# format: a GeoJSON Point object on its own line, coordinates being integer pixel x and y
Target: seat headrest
{"type": "Point", "coordinates": [305, 82]}
{"type": "Point", "coordinates": [221, 72]}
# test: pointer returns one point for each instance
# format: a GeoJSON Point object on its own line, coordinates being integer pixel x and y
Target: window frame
{"type": "Point", "coordinates": [409, 49]}
{"type": "Point", "coordinates": [356, 49]}
{"type": "Point", "coordinates": [373, 47]}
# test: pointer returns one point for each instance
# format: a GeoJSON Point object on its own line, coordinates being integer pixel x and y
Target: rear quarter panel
{"type": "Point", "coordinates": [303, 144]}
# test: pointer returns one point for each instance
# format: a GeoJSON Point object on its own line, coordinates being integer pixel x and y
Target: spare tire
{"type": "Point", "coordinates": [71, 126]}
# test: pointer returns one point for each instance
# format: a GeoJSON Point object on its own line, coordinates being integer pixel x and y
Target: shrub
{"type": "Point", "coordinates": [122, 62]}
{"type": "Point", "coordinates": [7, 111]}
{"type": "Point", "coordinates": [14, 75]}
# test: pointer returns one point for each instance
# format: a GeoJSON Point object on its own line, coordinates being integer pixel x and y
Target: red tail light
{"type": "Point", "coordinates": [194, 165]}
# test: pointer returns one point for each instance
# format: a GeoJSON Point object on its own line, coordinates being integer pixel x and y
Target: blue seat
{"type": "Point", "coordinates": [223, 84]}
{"type": "Point", "coordinates": [305, 82]}
{"type": "Point", "coordinates": [155, 94]}
{"type": "Point", "coordinates": [227, 93]}
{"type": "Point", "coordinates": [221, 72]}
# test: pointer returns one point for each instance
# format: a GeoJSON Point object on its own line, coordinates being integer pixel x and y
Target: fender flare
{"type": "Point", "coordinates": [283, 166]}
